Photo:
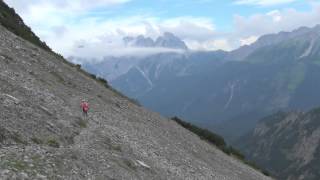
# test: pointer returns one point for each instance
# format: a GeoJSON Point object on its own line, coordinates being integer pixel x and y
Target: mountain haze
{"type": "Point", "coordinates": [44, 136]}
{"type": "Point", "coordinates": [228, 91]}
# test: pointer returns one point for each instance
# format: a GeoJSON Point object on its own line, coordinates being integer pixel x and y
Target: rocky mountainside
{"type": "Point", "coordinates": [112, 67]}
{"type": "Point", "coordinates": [272, 39]}
{"type": "Point", "coordinates": [153, 75]}
{"type": "Point", "coordinates": [278, 72]}
{"type": "Point", "coordinates": [44, 136]}
{"type": "Point", "coordinates": [287, 144]}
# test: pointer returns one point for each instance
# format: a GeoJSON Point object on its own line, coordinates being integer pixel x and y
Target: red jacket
{"type": "Point", "coordinates": [84, 106]}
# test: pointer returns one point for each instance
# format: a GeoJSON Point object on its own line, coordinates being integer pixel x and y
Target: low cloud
{"type": "Point", "coordinates": [248, 40]}
{"type": "Point", "coordinates": [71, 29]}
{"type": "Point", "coordinates": [276, 21]}
{"type": "Point", "coordinates": [100, 49]}
{"type": "Point", "coordinates": [65, 5]}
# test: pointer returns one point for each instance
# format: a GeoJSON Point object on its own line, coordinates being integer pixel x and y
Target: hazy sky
{"type": "Point", "coordinates": [97, 26]}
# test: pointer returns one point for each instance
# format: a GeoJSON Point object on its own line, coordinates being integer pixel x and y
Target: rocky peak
{"type": "Point", "coordinates": [167, 40]}
{"type": "Point", "coordinates": [139, 41]}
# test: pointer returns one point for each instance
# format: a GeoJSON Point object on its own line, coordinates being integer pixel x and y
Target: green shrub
{"type": "Point", "coordinates": [18, 139]}
{"type": "Point", "coordinates": [256, 167]}
{"type": "Point", "coordinates": [103, 81]}
{"type": "Point", "coordinates": [265, 172]}
{"type": "Point", "coordinates": [217, 141]}
{"type": "Point", "coordinates": [225, 149]}
{"type": "Point", "coordinates": [82, 123]}
{"type": "Point", "coordinates": [202, 133]}
{"type": "Point", "coordinates": [36, 140]}
{"type": "Point", "coordinates": [236, 153]}
{"type": "Point", "coordinates": [53, 143]}
{"type": "Point", "coordinates": [17, 164]}
{"type": "Point", "coordinates": [93, 76]}
{"type": "Point", "coordinates": [134, 101]}
{"type": "Point", "coordinates": [10, 20]}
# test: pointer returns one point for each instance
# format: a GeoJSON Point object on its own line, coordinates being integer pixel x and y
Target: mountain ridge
{"type": "Point", "coordinates": [278, 74]}
{"type": "Point", "coordinates": [287, 144]}
{"type": "Point", "coordinates": [269, 39]}
{"type": "Point", "coordinates": [44, 136]}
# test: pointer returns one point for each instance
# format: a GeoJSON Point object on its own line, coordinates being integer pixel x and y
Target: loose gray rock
{"type": "Point", "coordinates": [44, 136]}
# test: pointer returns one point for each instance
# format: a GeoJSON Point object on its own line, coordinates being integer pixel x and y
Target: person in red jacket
{"type": "Point", "coordinates": [85, 107]}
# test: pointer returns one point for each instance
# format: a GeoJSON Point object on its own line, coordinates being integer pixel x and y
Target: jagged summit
{"type": "Point", "coordinates": [139, 41]}
{"type": "Point", "coordinates": [168, 40]}
{"type": "Point", "coordinates": [44, 136]}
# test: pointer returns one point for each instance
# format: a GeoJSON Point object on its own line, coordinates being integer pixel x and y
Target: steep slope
{"type": "Point", "coordinates": [13, 22]}
{"type": "Point", "coordinates": [43, 135]}
{"type": "Point", "coordinates": [287, 144]}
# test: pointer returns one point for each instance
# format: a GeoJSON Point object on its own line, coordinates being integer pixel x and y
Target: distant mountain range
{"type": "Point", "coordinates": [43, 134]}
{"type": "Point", "coordinates": [168, 40]}
{"type": "Point", "coordinates": [224, 91]}
{"type": "Point", "coordinates": [287, 144]}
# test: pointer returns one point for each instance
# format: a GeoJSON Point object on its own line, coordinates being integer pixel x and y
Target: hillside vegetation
{"type": "Point", "coordinates": [218, 141]}
{"type": "Point", "coordinates": [13, 22]}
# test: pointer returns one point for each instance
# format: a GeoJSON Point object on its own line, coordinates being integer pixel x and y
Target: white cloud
{"type": "Point", "coordinates": [106, 35]}
{"type": "Point", "coordinates": [249, 40]}
{"type": "Point", "coordinates": [276, 15]}
{"type": "Point", "coordinates": [66, 26]}
{"type": "Point", "coordinates": [71, 5]}
{"type": "Point", "coordinates": [63, 25]}
{"type": "Point", "coordinates": [190, 27]}
{"type": "Point", "coordinates": [276, 21]}
{"type": "Point", "coordinates": [211, 44]}
{"type": "Point", "coordinates": [263, 2]}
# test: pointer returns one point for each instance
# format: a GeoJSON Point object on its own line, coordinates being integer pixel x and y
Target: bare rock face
{"type": "Point", "coordinates": [167, 40]}
{"type": "Point", "coordinates": [44, 136]}
{"type": "Point", "coordinates": [287, 145]}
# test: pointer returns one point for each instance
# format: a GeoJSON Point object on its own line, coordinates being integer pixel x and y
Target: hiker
{"type": "Point", "coordinates": [85, 107]}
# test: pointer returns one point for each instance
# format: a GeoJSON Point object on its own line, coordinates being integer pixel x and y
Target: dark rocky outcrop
{"type": "Point", "coordinates": [287, 144]}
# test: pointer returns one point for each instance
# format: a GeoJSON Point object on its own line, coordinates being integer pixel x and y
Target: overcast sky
{"type": "Point", "coordinates": [96, 27]}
